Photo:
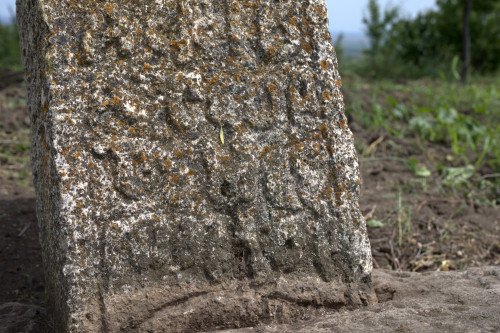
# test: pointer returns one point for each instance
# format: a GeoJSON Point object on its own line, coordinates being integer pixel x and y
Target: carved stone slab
{"type": "Point", "coordinates": [192, 164]}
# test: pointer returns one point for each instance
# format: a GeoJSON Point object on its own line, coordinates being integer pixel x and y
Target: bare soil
{"type": "Point", "coordinates": [425, 227]}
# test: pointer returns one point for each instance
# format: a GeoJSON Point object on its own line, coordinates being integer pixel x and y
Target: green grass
{"type": "Point", "coordinates": [464, 119]}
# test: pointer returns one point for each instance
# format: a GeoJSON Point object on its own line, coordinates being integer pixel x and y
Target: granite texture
{"type": "Point", "coordinates": [191, 152]}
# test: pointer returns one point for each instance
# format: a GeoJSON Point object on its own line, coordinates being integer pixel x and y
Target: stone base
{"type": "Point", "coordinates": [221, 306]}
{"type": "Point", "coordinates": [461, 301]}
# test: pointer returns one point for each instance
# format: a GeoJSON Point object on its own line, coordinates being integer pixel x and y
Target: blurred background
{"type": "Point", "coordinates": [421, 84]}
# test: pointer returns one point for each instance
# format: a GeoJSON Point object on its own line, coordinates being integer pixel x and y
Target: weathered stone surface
{"type": "Point", "coordinates": [191, 154]}
{"type": "Point", "coordinates": [22, 318]}
{"type": "Point", "coordinates": [458, 301]}
{"type": "Point", "coordinates": [466, 301]}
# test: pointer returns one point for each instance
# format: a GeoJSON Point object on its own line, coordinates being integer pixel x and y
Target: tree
{"type": "Point", "coordinates": [377, 25]}
{"type": "Point", "coordinates": [466, 42]}
{"type": "Point", "coordinates": [427, 44]}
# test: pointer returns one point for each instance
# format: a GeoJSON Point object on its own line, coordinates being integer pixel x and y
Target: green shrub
{"type": "Point", "coordinates": [10, 54]}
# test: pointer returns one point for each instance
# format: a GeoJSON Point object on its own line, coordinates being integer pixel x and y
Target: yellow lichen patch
{"type": "Point", "coordinates": [272, 89]}
{"type": "Point", "coordinates": [250, 4]}
{"type": "Point", "coordinates": [326, 96]}
{"type": "Point", "coordinates": [323, 130]}
{"type": "Point", "coordinates": [324, 64]}
{"type": "Point", "coordinates": [116, 101]}
{"type": "Point", "coordinates": [147, 67]}
{"type": "Point", "coordinates": [213, 81]}
{"type": "Point", "coordinates": [342, 124]}
{"type": "Point", "coordinates": [166, 164]}
{"type": "Point", "coordinates": [176, 45]}
{"type": "Point", "coordinates": [316, 148]}
{"type": "Point", "coordinates": [178, 153]}
{"type": "Point", "coordinates": [266, 150]}
{"type": "Point", "coordinates": [299, 146]}
{"type": "Point", "coordinates": [109, 8]}
{"type": "Point", "coordinates": [174, 179]}
{"type": "Point", "coordinates": [307, 47]}
{"type": "Point", "coordinates": [175, 198]}
{"type": "Point", "coordinates": [271, 51]}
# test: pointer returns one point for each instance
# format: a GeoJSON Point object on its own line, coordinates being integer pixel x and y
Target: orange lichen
{"type": "Point", "coordinates": [109, 8]}
{"type": "Point", "coordinates": [174, 178]}
{"type": "Point", "coordinates": [299, 146]}
{"type": "Point", "coordinates": [266, 150]}
{"type": "Point", "coordinates": [272, 88]}
{"type": "Point", "coordinates": [307, 47]}
{"type": "Point", "coordinates": [316, 148]}
{"type": "Point", "coordinates": [147, 67]}
{"type": "Point", "coordinates": [271, 51]}
{"type": "Point", "coordinates": [116, 101]}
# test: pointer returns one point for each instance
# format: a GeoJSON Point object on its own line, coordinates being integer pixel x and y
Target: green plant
{"type": "Point", "coordinates": [403, 219]}
{"type": "Point", "coordinates": [464, 120]}
{"type": "Point", "coordinates": [10, 54]}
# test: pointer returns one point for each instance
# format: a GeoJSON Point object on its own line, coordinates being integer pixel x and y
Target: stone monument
{"type": "Point", "coordinates": [192, 164]}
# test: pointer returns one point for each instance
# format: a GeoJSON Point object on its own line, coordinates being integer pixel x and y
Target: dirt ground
{"type": "Point", "coordinates": [424, 228]}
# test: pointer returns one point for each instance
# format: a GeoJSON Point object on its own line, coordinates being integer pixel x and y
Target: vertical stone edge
{"type": "Point", "coordinates": [34, 42]}
{"type": "Point", "coordinates": [366, 263]}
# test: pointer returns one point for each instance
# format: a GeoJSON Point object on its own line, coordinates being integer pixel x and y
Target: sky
{"type": "Point", "coordinates": [344, 15]}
